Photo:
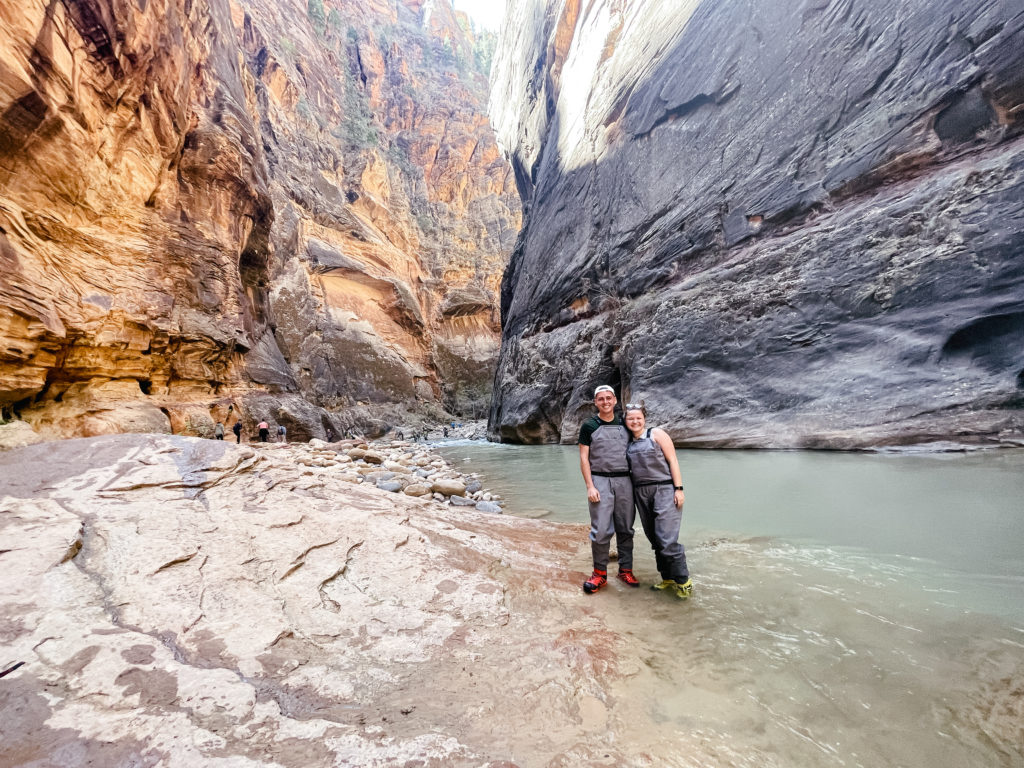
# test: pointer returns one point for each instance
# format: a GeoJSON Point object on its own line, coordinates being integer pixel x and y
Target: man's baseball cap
{"type": "Point", "coordinates": [603, 388]}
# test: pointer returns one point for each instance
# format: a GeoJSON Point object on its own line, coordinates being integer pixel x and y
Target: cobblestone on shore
{"type": "Point", "coordinates": [398, 466]}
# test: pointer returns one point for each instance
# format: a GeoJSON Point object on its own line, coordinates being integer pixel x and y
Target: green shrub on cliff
{"type": "Point", "coordinates": [483, 52]}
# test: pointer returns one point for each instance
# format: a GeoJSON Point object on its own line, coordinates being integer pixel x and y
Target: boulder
{"type": "Point", "coordinates": [16, 434]}
{"type": "Point", "coordinates": [449, 487]}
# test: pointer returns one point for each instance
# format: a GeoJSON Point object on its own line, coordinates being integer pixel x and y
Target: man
{"type": "Point", "coordinates": [237, 429]}
{"type": "Point", "coordinates": [603, 441]}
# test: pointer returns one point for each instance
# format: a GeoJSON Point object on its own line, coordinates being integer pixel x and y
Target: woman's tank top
{"type": "Point", "coordinates": [647, 462]}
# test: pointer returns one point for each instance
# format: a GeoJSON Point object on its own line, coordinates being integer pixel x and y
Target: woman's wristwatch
{"type": "Point", "coordinates": [678, 487]}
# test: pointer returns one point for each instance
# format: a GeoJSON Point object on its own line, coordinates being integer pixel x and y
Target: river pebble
{"type": "Point", "coordinates": [396, 467]}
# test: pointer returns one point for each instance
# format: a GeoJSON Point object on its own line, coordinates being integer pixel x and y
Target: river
{"type": "Point", "coordinates": [861, 609]}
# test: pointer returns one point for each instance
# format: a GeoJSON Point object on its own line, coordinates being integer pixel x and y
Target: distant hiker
{"type": "Point", "coordinates": [264, 429]}
{"type": "Point", "coordinates": [282, 434]}
{"type": "Point", "coordinates": [330, 435]}
{"type": "Point", "coordinates": [658, 492]}
{"type": "Point", "coordinates": [218, 431]}
{"type": "Point", "coordinates": [237, 429]}
{"type": "Point", "coordinates": [603, 440]}
{"type": "Point", "coordinates": [446, 431]}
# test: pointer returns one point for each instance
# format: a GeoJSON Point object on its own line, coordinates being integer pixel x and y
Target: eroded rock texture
{"type": "Point", "coordinates": [253, 204]}
{"type": "Point", "coordinates": [273, 613]}
{"type": "Point", "coordinates": [800, 227]}
{"type": "Point", "coordinates": [134, 212]}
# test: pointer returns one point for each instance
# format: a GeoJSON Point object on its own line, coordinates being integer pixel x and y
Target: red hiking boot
{"type": "Point", "coordinates": [626, 575]}
{"type": "Point", "coordinates": [597, 580]}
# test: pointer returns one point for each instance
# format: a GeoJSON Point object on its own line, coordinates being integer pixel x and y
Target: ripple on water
{"type": "Point", "coordinates": [805, 666]}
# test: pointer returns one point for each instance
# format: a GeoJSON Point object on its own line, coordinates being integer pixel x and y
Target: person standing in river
{"type": "Point", "coordinates": [603, 441]}
{"type": "Point", "coordinates": [658, 492]}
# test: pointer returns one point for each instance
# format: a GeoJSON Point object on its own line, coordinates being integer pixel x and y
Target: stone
{"type": "Point", "coordinates": [488, 506]}
{"type": "Point", "coordinates": [462, 501]}
{"type": "Point", "coordinates": [785, 231]}
{"type": "Point", "coordinates": [389, 485]}
{"type": "Point", "coordinates": [417, 489]}
{"type": "Point", "coordinates": [449, 487]}
{"type": "Point", "coordinates": [356, 453]}
{"type": "Point", "coordinates": [372, 457]}
{"type": "Point", "coordinates": [16, 434]}
{"type": "Point", "coordinates": [473, 486]}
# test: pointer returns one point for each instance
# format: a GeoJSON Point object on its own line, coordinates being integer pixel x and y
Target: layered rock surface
{"type": "Point", "coordinates": [784, 229]}
{"type": "Point", "coordinates": [134, 213]}
{"type": "Point", "coordinates": [274, 613]}
{"type": "Point", "coordinates": [212, 204]}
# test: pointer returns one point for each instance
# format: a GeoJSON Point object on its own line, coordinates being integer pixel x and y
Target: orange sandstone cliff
{"type": "Point", "coordinates": [296, 211]}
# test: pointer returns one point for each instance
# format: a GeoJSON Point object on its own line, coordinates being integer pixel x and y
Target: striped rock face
{"type": "Point", "coordinates": [790, 228]}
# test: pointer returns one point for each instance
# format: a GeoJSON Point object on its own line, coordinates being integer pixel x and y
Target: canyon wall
{"type": "Point", "coordinates": [213, 208]}
{"type": "Point", "coordinates": [395, 212]}
{"type": "Point", "coordinates": [800, 228]}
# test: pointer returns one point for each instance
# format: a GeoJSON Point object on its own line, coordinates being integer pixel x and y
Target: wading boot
{"type": "Point", "coordinates": [626, 575]}
{"type": "Point", "coordinates": [597, 580]}
{"type": "Point", "coordinates": [665, 584]}
{"type": "Point", "coordinates": [684, 590]}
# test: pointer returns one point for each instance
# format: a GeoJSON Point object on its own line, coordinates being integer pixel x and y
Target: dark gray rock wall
{"type": "Point", "coordinates": [796, 228]}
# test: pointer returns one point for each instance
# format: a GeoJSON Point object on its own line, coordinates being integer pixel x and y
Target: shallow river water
{"type": "Point", "coordinates": [849, 609]}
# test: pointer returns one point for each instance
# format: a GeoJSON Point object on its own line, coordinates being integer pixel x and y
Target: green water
{"type": "Point", "coordinates": [952, 524]}
{"type": "Point", "coordinates": [849, 609]}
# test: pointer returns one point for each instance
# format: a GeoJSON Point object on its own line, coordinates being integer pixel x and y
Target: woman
{"type": "Point", "coordinates": [658, 493]}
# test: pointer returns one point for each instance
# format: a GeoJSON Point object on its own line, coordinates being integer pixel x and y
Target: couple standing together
{"type": "Point", "coordinates": [630, 469]}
